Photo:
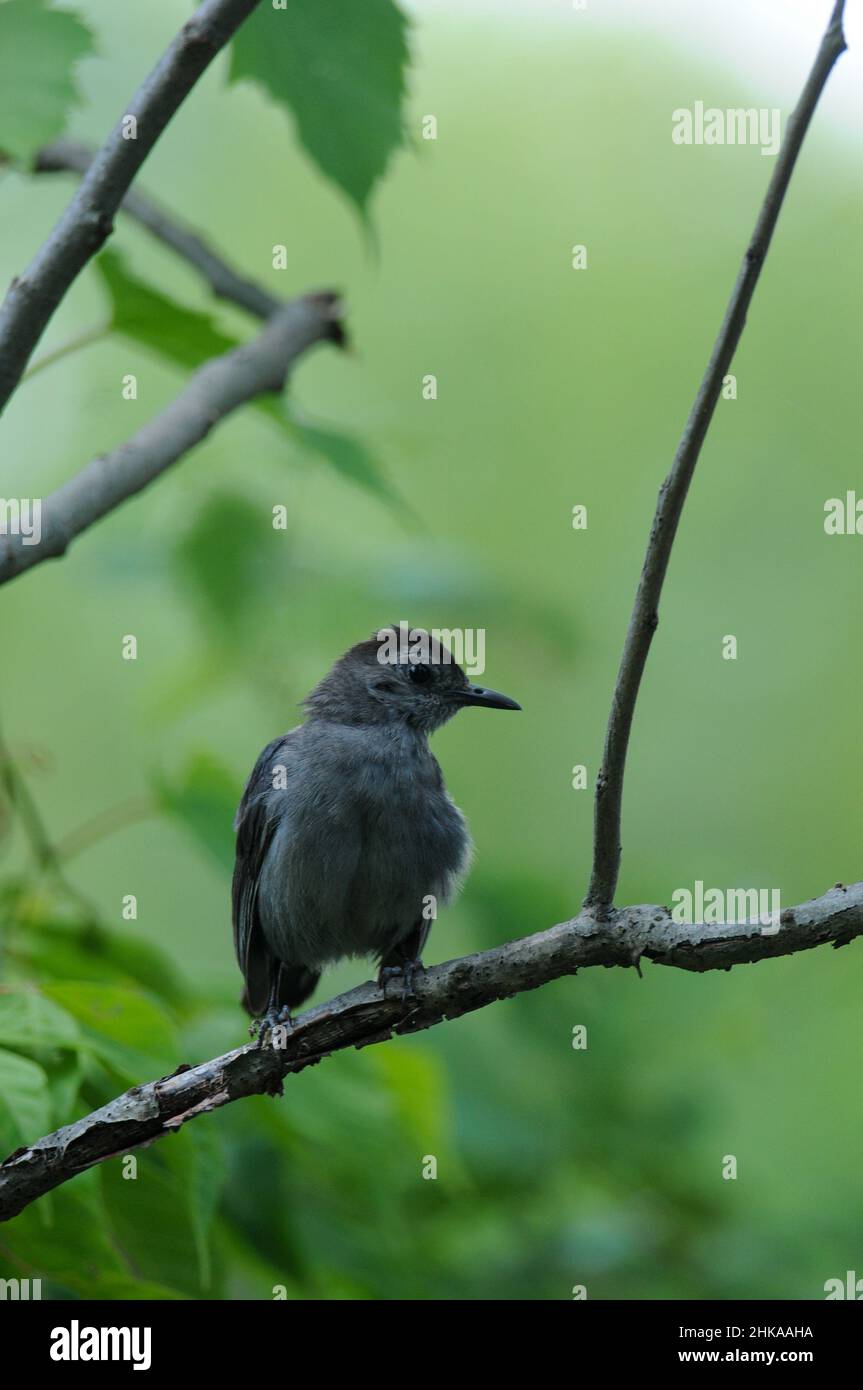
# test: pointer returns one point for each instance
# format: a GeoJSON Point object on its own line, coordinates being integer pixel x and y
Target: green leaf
{"type": "Point", "coordinates": [86, 952]}
{"type": "Point", "coordinates": [25, 1102]}
{"type": "Point", "coordinates": [226, 558]}
{"type": "Point", "coordinates": [126, 1028]}
{"type": "Point", "coordinates": [182, 336]}
{"type": "Point", "coordinates": [204, 800]}
{"type": "Point", "coordinates": [339, 67]}
{"type": "Point", "coordinates": [189, 338]}
{"type": "Point", "coordinates": [203, 1191]}
{"type": "Point", "coordinates": [198, 1159]}
{"type": "Point", "coordinates": [75, 1249]}
{"type": "Point", "coordinates": [30, 1020]}
{"type": "Point", "coordinates": [64, 1082]}
{"type": "Point", "coordinates": [149, 1214]}
{"type": "Point", "coordinates": [346, 455]}
{"type": "Point", "coordinates": [138, 1290]}
{"type": "Point", "coordinates": [39, 48]}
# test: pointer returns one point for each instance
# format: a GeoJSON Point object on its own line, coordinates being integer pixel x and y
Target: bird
{"type": "Point", "coordinates": [347, 839]}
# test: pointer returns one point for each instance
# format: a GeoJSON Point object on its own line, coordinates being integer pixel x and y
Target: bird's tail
{"type": "Point", "coordinates": [296, 983]}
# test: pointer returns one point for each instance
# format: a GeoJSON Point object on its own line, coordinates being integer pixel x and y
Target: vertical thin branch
{"type": "Point", "coordinates": [672, 494]}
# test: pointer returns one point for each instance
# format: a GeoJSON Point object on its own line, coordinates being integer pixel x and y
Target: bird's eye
{"type": "Point", "coordinates": [420, 675]}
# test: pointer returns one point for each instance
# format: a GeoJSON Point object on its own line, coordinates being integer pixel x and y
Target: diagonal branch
{"type": "Point", "coordinates": [216, 389]}
{"type": "Point", "coordinates": [366, 1015]}
{"type": "Point", "coordinates": [88, 220]}
{"type": "Point", "coordinates": [672, 494]}
{"type": "Point", "coordinates": [225, 283]}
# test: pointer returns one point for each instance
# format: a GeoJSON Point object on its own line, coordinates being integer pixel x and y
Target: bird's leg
{"type": "Point", "coordinates": [405, 972]}
{"type": "Point", "coordinates": [404, 961]}
{"type": "Point", "coordinates": [277, 1015]}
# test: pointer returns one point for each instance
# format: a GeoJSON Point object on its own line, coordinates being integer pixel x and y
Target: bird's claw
{"type": "Point", "coordinates": [406, 973]}
{"type": "Point", "coordinates": [272, 1019]}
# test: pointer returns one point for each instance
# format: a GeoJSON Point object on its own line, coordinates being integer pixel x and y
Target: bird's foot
{"type": "Point", "coordinates": [404, 972]}
{"type": "Point", "coordinates": [266, 1027]}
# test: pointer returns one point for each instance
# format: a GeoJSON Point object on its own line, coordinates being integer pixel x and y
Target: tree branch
{"type": "Point", "coordinates": [225, 283]}
{"type": "Point", "coordinates": [367, 1015]}
{"type": "Point", "coordinates": [672, 494]}
{"type": "Point", "coordinates": [88, 220]}
{"type": "Point", "coordinates": [216, 389]}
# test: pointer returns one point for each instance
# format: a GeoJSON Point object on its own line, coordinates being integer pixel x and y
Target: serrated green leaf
{"type": "Point", "coordinates": [39, 48]}
{"type": "Point", "coordinates": [339, 67]}
{"type": "Point", "coordinates": [25, 1102]}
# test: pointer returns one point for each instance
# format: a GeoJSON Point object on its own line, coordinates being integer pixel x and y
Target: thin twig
{"type": "Point", "coordinates": [165, 227]}
{"type": "Point", "coordinates": [256, 368]}
{"type": "Point", "coordinates": [107, 823]}
{"type": "Point", "coordinates": [367, 1015]}
{"type": "Point", "coordinates": [672, 494]}
{"type": "Point", "coordinates": [90, 335]}
{"type": "Point", "coordinates": [44, 851]}
{"type": "Point", "coordinates": [88, 220]}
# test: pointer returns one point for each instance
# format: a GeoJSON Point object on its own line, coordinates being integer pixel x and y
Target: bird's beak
{"type": "Point", "coordinates": [491, 699]}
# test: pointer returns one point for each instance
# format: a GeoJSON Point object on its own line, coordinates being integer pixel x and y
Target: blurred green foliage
{"type": "Point", "coordinates": [39, 49]}
{"type": "Point", "coordinates": [555, 1167]}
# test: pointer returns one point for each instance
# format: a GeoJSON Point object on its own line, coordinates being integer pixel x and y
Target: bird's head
{"type": "Point", "coordinates": [399, 674]}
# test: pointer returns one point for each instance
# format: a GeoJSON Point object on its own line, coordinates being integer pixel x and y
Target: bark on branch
{"type": "Point", "coordinates": [367, 1015]}
{"type": "Point", "coordinates": [215, 390]}
{"type": "Point", "coordinates": [88, 220]}
{"type": "Point", "coordinates": [672, 494]}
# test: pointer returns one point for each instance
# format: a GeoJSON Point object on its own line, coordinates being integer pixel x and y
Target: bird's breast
{"type": "Point", "coordinates": [369, 842]}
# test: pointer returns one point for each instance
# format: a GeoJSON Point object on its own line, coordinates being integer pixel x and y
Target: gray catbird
{"type": "Point", "coordinates": [346, 836]}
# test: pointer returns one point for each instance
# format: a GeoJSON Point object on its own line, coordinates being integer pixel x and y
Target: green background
{"type": "Point", "coordinates": [556, 1167]}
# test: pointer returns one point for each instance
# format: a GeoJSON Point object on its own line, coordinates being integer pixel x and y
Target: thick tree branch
{"type": "Point", "coordinates": [88, 220]}
{"type": "Point", "coordinates": [225, 283]}
{"type": "Point", "coordinates": [672, 494]}
{"type": "Point", "coordinates": [366, 1015]}
{"type": "Point", "coordinates": [219, 387]}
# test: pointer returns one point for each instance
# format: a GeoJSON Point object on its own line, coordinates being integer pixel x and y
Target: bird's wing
{"type": "Point", "coordinates": [255, 825]}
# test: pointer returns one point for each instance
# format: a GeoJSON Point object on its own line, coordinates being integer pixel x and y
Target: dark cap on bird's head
{"type": "Point", "coordinates": [399, 674]}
